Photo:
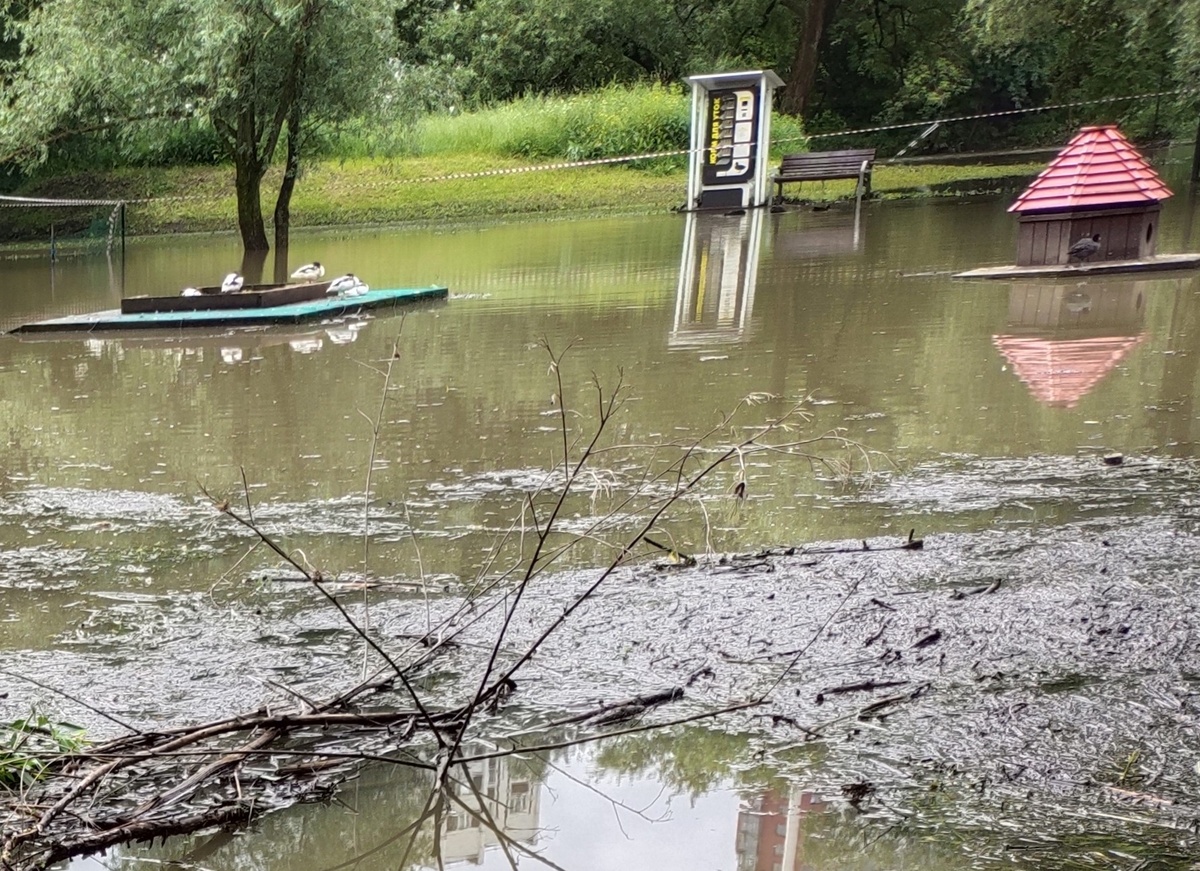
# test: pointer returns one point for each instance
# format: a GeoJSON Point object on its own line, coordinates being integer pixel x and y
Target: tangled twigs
{"type": "Point", "coordinates": [316, 579]}
{"type": "Point", "coordinates": [135, 765]}
{"type": "Point", "coordinates": [168, 781]}
{"type": "Point", "coordinates": [81, 844]}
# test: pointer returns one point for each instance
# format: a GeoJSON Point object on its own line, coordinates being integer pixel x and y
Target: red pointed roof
{"type": "Point", "coordinates": [1099, 167]}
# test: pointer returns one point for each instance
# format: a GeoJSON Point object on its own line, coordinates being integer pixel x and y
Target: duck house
{"type": "Point", "coordinates": [1099, 185]}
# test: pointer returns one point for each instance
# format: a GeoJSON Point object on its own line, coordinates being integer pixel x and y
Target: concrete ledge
{"type": "Point", "coordinates": [1109, 267]}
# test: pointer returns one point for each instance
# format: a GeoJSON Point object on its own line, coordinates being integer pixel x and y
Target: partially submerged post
{"type": "Point", "coordinates": [731, 137]}
{"type": "Point", "coordinates": [1098, 184]}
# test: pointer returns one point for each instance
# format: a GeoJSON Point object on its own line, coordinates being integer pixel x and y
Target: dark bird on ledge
{"type": "Point", "coordinates": [1084, 248]}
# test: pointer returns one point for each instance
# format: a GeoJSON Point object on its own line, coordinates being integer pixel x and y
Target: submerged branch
{"type": "Point", "coordinates": [175, 780]}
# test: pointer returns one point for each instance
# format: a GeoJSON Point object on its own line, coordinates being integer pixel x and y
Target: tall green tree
{"type": "Point", "coordinates": [1089, 49]}
{"type": "Point", "coordinates": [811, 20]}
{"type": "Point", "coordinates": [881, 60]}
{"type": "Point", "coordinates": [510, 48]}
{"type": "Point", "coordinates": [262, 72]}
{"type": "Point", "coordinates": [11, 12]}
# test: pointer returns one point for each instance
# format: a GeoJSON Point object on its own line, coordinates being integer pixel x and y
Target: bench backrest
{"type": "Point", "coordinates": [824, 163]}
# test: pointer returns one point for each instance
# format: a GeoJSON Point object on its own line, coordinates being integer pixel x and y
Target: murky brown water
{"type": "Point", "coordinates": [113, 563]}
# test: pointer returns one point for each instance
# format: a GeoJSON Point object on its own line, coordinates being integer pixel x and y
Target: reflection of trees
{"type": "Point", "coordinates": [789, 828]}
{"type": "Point", "coordinates": [386, 820]}
{"type": "Point", "coordinates": [776, 814]}
{"type": "Point", "coordinates": [369, 822]}
{"type": "Point", "coordinates": [693, 760]}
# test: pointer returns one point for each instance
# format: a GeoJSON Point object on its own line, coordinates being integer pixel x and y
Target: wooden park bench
{"type": "Point", "coordinates": [821, 165]}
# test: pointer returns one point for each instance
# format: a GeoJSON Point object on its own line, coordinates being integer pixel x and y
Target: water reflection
{"type": "Point", "coordinates": [1064, 339]}
{"type": "Point", "coordinates": [900, 356]}
{"type": "Point", "coordinates": [492, 804]}
{"type": "Point", "coordinates": [715, 298]}
{"type": "Point", "coordinates": [568, 810]}
{"type": "Point", "coordinates": [391, 819]}
{"type": "Point", "coordinates": [830, 232]}
{"type": "Point", "coordinates": [718, 272]}
{"type": "Point", "coordinates": [787, 826]}
{"type": "Point", "coordinates": [770, 835]}
{"type": "Point", "coordinates": [109, 557]}
{"type": "Point", "coordinates": [232, 346]}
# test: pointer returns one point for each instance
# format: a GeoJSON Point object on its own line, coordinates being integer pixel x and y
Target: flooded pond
{"type": "Point", "coordinates": [1049, 616]}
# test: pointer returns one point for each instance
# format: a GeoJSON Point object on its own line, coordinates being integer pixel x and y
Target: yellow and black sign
{"type": "Point", "coordinates": [731, 135]}
{"type": "Point", "coordinates": [728, 163]}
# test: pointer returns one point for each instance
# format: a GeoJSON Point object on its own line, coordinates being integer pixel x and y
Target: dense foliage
{"type": "Point", "coordinates": [847, 63]}
{"type": "Point", "coordinates": [112, 82]}
{"type": "Point", "coordinates": [254, 76]}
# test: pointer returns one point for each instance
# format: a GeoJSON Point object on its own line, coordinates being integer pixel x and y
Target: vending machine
{"type": "Point", "coordinates": [729, 167]}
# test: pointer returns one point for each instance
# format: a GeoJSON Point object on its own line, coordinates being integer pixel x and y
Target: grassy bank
{"type": "Point", "coordinates": [440, 167]}
{"type": "Point", "coordinates": [424, 189]}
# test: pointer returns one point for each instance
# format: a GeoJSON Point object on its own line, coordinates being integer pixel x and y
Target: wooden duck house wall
{"type": "Point", "coordinates": [1125, 234]}
{"type": "Point", "coordinates": [1098, 183]}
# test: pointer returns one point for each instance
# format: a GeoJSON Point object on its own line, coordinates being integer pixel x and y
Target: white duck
{"type": "Point", "coordinates": [232, 283]}
{"type": "Point", "coordinates": [189, 291]}
{"type": "Point", "coordinates": [310, 271]}
{"type": "Point", "coordinates": [343, 285]}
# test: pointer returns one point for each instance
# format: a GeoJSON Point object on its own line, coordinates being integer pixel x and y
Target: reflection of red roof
{"type": "Point", "coordinates": [1099, 167]}
{"type": "Point", "coordinates": [1059, 372]}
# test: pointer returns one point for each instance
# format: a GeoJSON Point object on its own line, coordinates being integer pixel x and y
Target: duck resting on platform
{"type": "Point", "coordinates": [232, 283]}
{"type": "Point", "coordinates": [347, 285]}
{"type": "Point", "coordinates": [310, 271]}
{"type": "Point", "coordinates": [189, 291]}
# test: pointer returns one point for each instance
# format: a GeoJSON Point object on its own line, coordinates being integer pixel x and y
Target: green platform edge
{"type": "Point", "coordinates": [296, 312]}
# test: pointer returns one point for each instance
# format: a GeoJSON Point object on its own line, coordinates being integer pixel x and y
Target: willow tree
{"type": "Point", "coordinates": [261, 72]}
{"type": "Point", "coordinates": [1096, 48]}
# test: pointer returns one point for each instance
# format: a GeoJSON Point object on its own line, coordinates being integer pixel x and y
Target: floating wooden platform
{"type": "Point", "coordinates": [1160, 263]}
{"type": "Point", "coordinates": [328, 307]}
{"type": "Point", "coordinates": [211, 298]}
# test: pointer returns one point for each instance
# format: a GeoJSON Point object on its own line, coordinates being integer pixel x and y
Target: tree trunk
{"type": "Point", "coordinates": [291, 170]}
{"type": "Point", "coordinates": [295, 116]}
{"type": "Point", "coordinates": [253, 261]}
{"type": "Point", "coordinates": [249, 167]}
{"type": "Point", "coordinates": [798, 91]}
{"type": "Point", "coordinates": [248, 174]}
{"type": "Point", "coordinates": [1196, 156]}
{"type": "Point", "coordinates": [279, 272]}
